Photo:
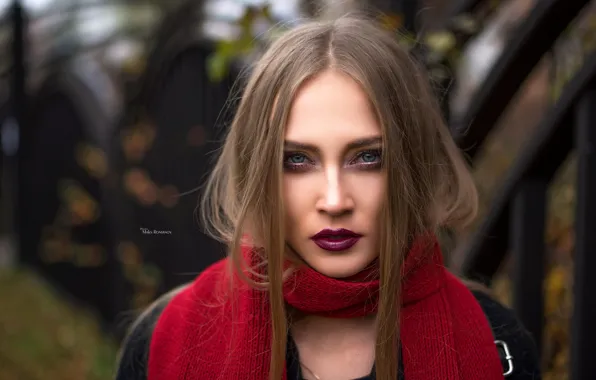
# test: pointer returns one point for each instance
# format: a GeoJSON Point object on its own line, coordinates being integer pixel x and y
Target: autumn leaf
{"type": "Point", "coordinates": [465, 23]}
{"type": "Point", "coordinates": [392, 21]}
{"type": "Point", "coordinates": [266, 12]}
{"type": "Point", "coordinates": [217, 66]}
{"type": "Point", "coordinates": [441, 42]}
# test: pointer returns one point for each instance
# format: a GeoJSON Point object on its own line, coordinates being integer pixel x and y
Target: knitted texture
{"type": "Point", "coordinates": [209, 331]}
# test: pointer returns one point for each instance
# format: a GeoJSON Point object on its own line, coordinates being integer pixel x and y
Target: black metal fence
{"type": "Point", "coordinates": [516, 221]}
{"type": "Point", "coordinates": [181, 131]}
{"type": "Point", "coordinates": [145, 240]}
{"type": "Point", "coordinates": [105, 208]}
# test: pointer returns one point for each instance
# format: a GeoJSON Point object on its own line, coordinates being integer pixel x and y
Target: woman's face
{"type": "Point", "coordinates": [333, 179]}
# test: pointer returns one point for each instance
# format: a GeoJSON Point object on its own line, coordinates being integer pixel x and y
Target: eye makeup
{"type": "Point", "coordinates": [368, 159]}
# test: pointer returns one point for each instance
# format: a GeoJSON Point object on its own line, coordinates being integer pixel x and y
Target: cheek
{"type": "Point", "coordinates": [293, 199]}
{"type": "Point", "coordinates": [371, 195]}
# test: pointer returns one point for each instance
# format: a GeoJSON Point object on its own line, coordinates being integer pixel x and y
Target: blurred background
{"type": "Point", "coordinates": [111, 111]}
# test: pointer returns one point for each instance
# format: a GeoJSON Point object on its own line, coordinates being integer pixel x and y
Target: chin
{"type": "Point", "coordinates": [338, 265]}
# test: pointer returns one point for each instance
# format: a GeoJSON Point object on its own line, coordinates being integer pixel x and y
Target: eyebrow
{"type": "Point", "coordinates": [356, 144]}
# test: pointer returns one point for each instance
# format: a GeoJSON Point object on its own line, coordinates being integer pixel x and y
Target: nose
{"type": "Point", "coordinates": [335, 200]}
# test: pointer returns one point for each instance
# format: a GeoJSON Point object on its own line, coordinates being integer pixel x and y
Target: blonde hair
{"type": "Point", "coordinates": [428, 183]}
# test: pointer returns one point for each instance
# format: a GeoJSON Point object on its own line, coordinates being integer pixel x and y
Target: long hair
{"type": "Point", "coordinates": [428, 183]}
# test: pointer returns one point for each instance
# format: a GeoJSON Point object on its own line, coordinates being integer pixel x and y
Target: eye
{"type": "Point", "coordinates": [296, 158]}
{"type": "Point", "coordinates": [296, 161]}
{"type": "Point", "coordinates": [369, 157]}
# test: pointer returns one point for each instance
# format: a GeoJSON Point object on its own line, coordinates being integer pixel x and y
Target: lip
{"type": "Point", "coordinates": [336, 240]}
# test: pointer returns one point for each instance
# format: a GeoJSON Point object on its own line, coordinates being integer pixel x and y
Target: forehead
{"type": "Point", "coordinates": [331, 107]}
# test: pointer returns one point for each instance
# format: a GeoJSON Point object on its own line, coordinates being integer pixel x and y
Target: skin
{"type": "Point", "coordinates": [330, 184]}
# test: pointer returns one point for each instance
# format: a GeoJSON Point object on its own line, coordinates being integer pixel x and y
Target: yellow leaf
{"type": "Point", "coordinates": [128, 253]}
{"type": "Point", "coordinates": [247, 19]}
{"type": "Point", "coordinates": [441, 42]}
{"type": "Point", "coordinates": [169, 195]}
{"type": "Point", "coordinates": [217, 67]}
{"type": "Point", "coordinates": [392, 21]}
{"type": "Point", "coordinates": [226, 47]}
{"type": "Point", "coordinates": [266, 12]}
{"type": "Point", "coordinates": [465, 23]}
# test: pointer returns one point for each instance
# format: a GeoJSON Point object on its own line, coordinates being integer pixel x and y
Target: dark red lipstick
{"type": "Point", "coordinates": [336, 240]}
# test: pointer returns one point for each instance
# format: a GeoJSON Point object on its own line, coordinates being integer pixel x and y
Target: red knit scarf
{"type": "Point", "coordinates": [444, 332]}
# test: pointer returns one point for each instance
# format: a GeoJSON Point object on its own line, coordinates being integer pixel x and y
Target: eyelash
{"type": "Point", "coordinates": [303, 166]}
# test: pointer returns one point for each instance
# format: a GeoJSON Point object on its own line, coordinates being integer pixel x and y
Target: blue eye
{"type": "Point", "coordinates": [297, 159]}
{"type": "Point", "coordinates": [369, 157]}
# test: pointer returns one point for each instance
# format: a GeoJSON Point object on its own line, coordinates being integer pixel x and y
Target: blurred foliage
{"type": "Point", "coordinates": [145, 277]}
{"type": "Point", "coordinates": [567, 59]}
{"type": "Point", "coordinates": [569, 56]}
{"type": "Point", "coordinates": [559, 274]}
{"type": "Point", "coordinates": [256, 28]}
{"type": "Point", "coordinates": [441, 51]}
{"type": "Point", "coordinates": [251, 38]}
{"type": "Point", "coordinates": [570, 51]}
{"type": "Point", "coordinates": [43, 336]}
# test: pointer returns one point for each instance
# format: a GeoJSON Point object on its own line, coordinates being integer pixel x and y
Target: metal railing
{"type": "Point", "coordinates": [516, 220]}
{"type": "Point", "coordinates": [533, 38]}
{"type": "Point", "coordinates": [515, 223]}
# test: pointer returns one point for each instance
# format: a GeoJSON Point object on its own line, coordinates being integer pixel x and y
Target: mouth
{"type": "Point", "coordinates": [336, 240]}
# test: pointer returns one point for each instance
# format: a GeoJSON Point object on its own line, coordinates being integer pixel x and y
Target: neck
{"type": "Point", "coordinates": [335, 348]}
{"type": "Point", "coordinates": [303, 319]}
{"type": "Point", "coordinates": [316, 328]}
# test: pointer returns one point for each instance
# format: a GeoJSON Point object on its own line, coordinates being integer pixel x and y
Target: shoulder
{"type": "Point", "coordinates": [175, 305]}
{"type": "Point", "coordinates": [508, 329]}
{"type": "Point", "coordinates": [134, 353]}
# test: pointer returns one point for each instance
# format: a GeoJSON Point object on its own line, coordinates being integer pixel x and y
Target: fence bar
{"type": "Point", "coordinates": [541, 156]}
{"type": "Point", "coordinates": [532, 39]}
{"type": "Point", "coordinates": [410, 11]}
{"type": "Point", "coordinates": [19, 105]}
{"type": "Point", "coordinates": [19, 64]}
{"type": "Point", "coordinates": [528, 249]}
{"type": "Point", "coordinates": [583, 328]}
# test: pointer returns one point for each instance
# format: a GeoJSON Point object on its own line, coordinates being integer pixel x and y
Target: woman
{"type": "Point", "coordinates": [335, 174]}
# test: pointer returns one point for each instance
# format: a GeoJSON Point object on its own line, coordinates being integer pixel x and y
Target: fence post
{"type": "Point", "coordinates": [583, 326]}
{"type": "Point", "coordinates": [19, 105]}
{"type": "Point", "coordinates": [527, 225]}
{"type": "Point", "coordinates": [19, 65]}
